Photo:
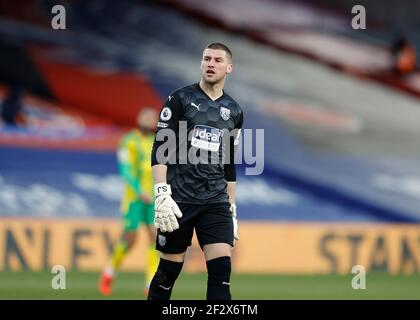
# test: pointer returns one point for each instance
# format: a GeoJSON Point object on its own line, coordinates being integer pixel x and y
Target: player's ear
{"type": "Point", "coordinates": [229, 68]}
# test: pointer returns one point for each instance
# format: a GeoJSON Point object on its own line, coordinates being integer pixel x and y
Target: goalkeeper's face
{"type": "Point", "coordinates": [215, 65]}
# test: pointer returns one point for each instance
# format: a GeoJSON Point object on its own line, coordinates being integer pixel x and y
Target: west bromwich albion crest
{"type": "Point", "coordinates": [224, 113]}
{"type": "Point", "coordinates": [162, 240]}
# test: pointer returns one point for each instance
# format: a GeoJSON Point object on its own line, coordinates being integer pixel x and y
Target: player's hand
{"type": "Point", "coordinates": [235, 221]}
{"type": "Point", "coordinates": [145, 197]}
{"type": "Point", "coordinates": [166, 209]}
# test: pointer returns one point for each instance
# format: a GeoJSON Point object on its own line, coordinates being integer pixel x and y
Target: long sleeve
{"type": "Point", "coordinates": [230, 168]}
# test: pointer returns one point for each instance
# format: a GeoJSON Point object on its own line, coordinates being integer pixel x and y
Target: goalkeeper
{"type": "Point", "coordinates": [197, 195]}
{"type": "Point", "coordinates": [137, 203]}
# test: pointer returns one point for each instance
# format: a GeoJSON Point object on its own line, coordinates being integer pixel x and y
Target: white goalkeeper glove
{"type": "Point", "coordinates": [166, 209]}
{"type": "Point", "coordinates": [235, 221]}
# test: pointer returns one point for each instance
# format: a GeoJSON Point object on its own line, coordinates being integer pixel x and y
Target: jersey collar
{"type": "Point", "coordinates": [218, 99]}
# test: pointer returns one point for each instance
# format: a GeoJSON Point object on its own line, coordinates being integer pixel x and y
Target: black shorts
{"type": "Point", "coordinates": [212, 222]}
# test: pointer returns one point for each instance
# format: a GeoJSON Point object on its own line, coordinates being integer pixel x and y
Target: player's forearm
{"type": "Point", "coordinates": [231, 190]}
{"type": "Point", "coordinates": [159, 173]}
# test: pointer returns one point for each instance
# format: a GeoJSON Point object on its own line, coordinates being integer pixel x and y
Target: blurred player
{"type": "Point", "coordinates": [198, 196]}
{"type": "Point", "coordinates": [403, 56]}
{"type": "Point", "coordinates": [137, 204]}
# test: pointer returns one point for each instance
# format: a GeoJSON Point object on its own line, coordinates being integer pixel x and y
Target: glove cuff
{"type": "Point", "coordinates": [162, 188]}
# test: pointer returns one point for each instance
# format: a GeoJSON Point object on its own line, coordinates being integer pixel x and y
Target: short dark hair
{"type": "Point", "coordinates": [220, 46]}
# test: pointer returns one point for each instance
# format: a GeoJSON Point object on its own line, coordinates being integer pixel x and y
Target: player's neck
{"type": "Point", "coordinates": [143, 132]}
{"type": "Point", "coordinates": [214, 91]}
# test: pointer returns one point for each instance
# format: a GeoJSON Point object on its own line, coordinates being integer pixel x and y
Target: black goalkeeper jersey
{"type": "Point", "coordinates": [206, 131]}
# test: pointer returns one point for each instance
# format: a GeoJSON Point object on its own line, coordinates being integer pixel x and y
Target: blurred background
{"type": "Point", "coordinates": [340, 109]}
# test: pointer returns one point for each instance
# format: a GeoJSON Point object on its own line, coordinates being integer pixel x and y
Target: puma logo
{"type": "Point", "coordinates": [166, 288]}
{"type": "Point", "coordinates": [194, 105]}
